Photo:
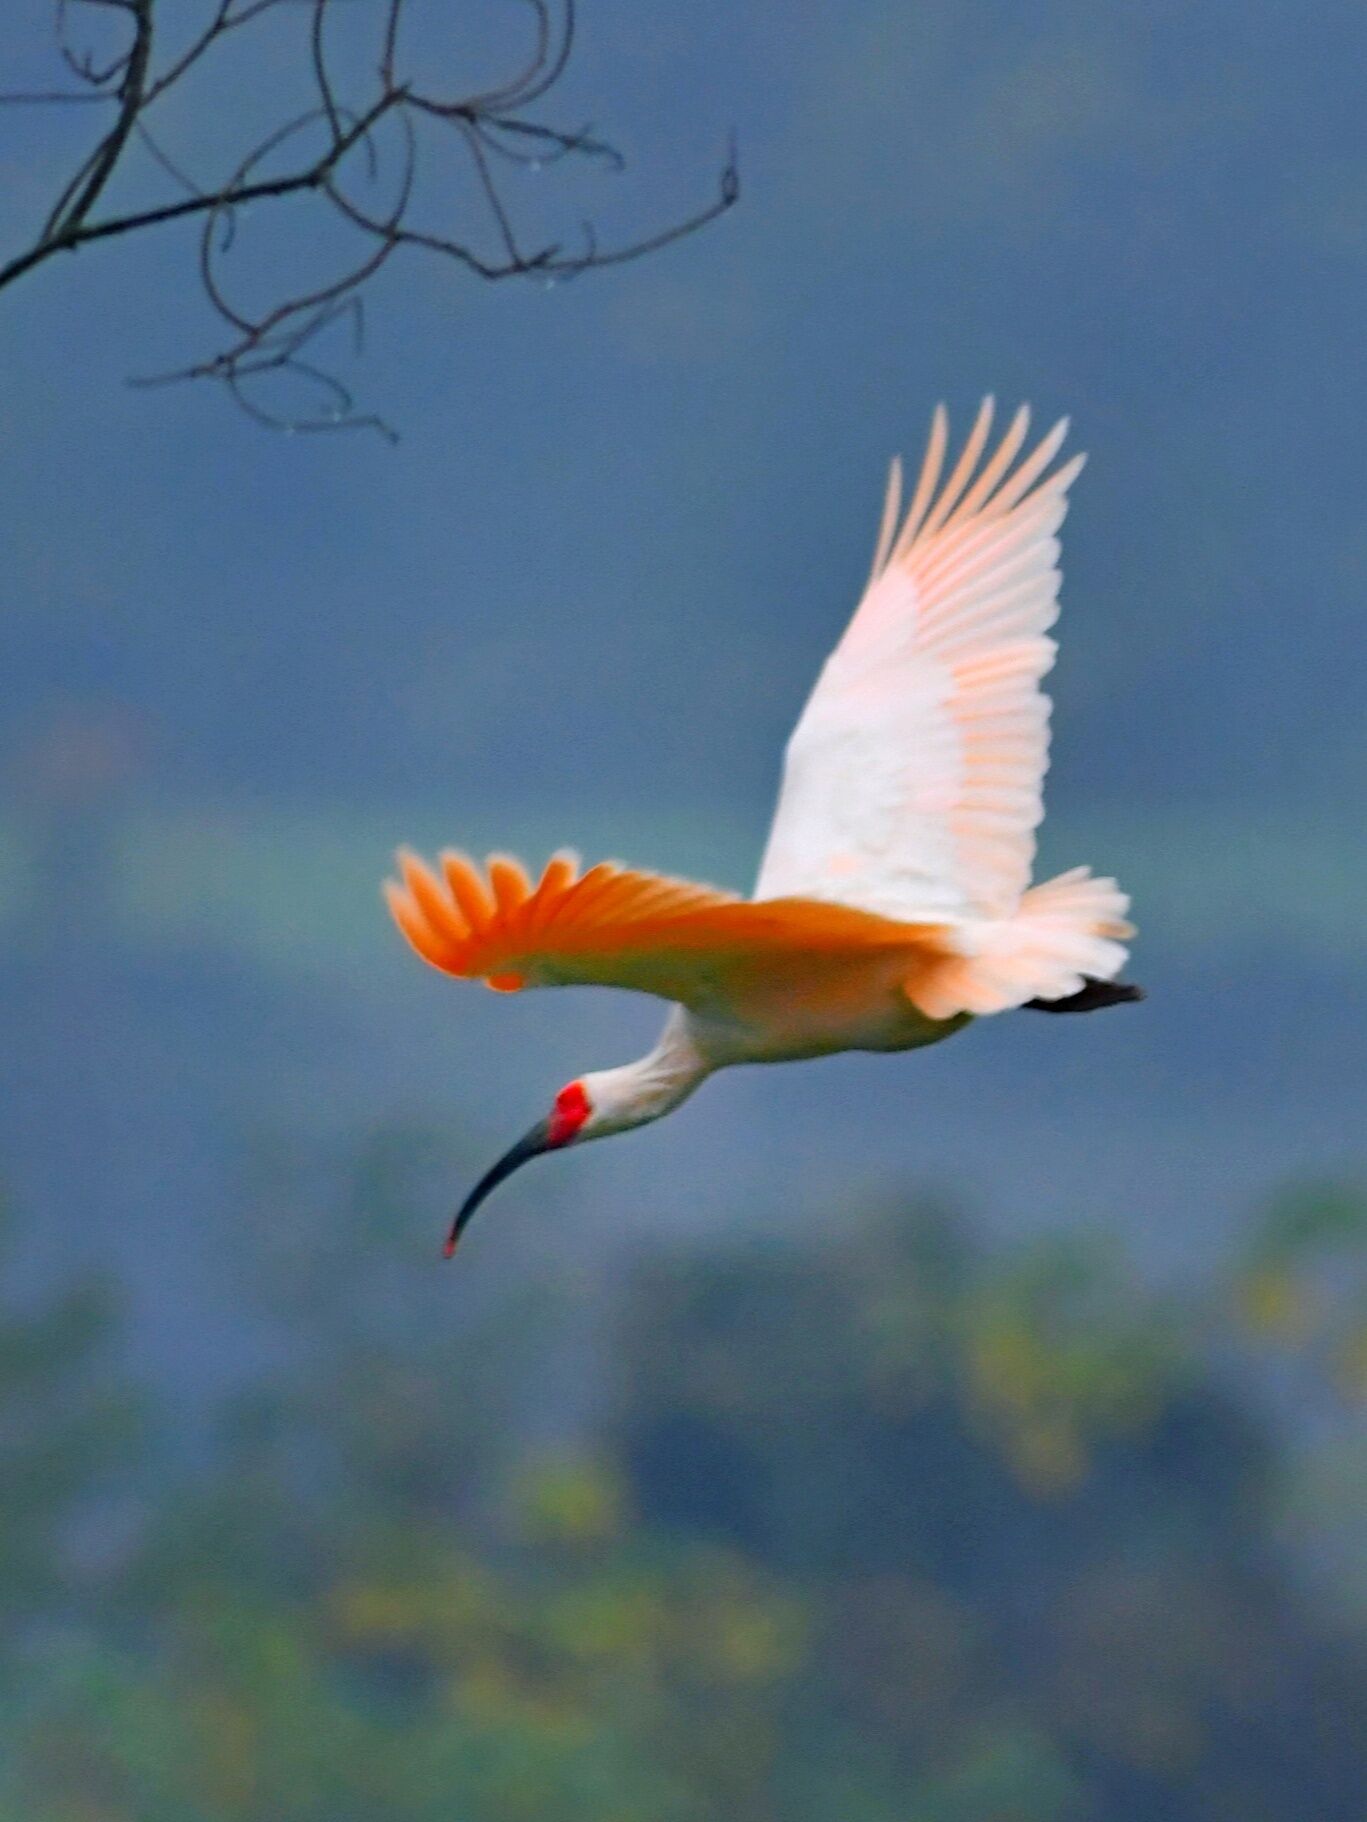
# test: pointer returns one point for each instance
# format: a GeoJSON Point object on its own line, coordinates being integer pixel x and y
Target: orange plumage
{"type": "Point", "coordinates": [894, 900]}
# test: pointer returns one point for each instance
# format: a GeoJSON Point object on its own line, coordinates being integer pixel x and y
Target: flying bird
{"type": "Point", "coordinates": [893, 904]}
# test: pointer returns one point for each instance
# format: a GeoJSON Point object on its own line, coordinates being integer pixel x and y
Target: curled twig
{"type": "Point", "coordinates": [487, 130]}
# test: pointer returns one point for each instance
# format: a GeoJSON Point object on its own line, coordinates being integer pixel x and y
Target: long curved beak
{"type": "Point", "coordinates": [530, 1145]}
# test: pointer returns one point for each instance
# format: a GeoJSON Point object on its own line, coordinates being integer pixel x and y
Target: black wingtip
{"type": "Point", "coordinates": [1092, 996]}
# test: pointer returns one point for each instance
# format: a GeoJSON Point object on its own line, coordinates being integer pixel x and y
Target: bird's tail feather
{"type": "Point", "coordinates": [1094, 996]}
{"type": "Point", "coordinates": [1063, 933]}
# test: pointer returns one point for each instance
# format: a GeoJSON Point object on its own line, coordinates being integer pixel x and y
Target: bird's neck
{"type": "Point", "coordinates": [656, 1083]}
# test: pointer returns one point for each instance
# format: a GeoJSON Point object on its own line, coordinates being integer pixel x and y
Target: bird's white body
{"type": "Point", "coordinates": [893, 902]}
{"type": "Point", "coordinates": [865, 1015]}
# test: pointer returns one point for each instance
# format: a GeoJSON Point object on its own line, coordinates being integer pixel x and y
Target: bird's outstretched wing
{"type": "Point", "coordinates": [615, 927]}
{"type": "Point", "coordinates": [912, 782]}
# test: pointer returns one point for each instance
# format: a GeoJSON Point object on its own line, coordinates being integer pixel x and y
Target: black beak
{"type": "Point", "coordinates": [530, 1145]}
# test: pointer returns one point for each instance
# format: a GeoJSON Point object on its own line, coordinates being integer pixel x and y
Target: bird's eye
{"type": "Point", "coordinates": [571, 1110]}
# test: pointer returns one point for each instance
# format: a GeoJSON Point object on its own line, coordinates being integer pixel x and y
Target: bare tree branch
{"type": "Point", "coordinates": [132, 71]}
{"type": "Point", "coordinates": [266, 347]}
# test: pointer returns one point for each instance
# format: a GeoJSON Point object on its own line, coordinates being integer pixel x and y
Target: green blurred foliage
{"type": "Point", "coordinates": [874, 1524]}
{"type": "Point", "coordinates": [68, 1437]}
{"type": "Point", "coordinates": [1303, 1280]}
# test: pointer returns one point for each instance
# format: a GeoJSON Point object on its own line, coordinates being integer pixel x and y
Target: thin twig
{"type": "Point", "coordinates": [268, 345]}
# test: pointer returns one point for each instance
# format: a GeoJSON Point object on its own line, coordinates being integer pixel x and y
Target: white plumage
{"type": "Point", "coordinates": [893, 901]}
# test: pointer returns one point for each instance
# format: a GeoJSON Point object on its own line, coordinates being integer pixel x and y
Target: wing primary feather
{"type": "Point", "coordinates": [669, 898]}
{"type": "Point", "coordinates": [511, 886]}
{"type": "Point", "coordinates": [887, 529]}
{"type": "Point", "coordinates": [468, 890]}
{"type": "Point", "coordinates": [436, 908]}
{"type": "Point", "coordinates": [930, 709]}
{"type": "Point", "coordinates": [1032, 467]}
{"type": "Point", "coordinates": [410, 920]}
{"type": "Point", "coordinates": [990, 525]}
{"type": "Point", "coordinates": [925, 484]}
{"type": "Point", "coordinates": [962, 472]}
{"type": "Point", "coordinates": [979, 494]}
{"type": "Point", "coordinates": [618, 892]}
{"type": "Point", "coordinates": [965, 548]}
{"type": "Point", "coordinates": [555, 881]}
{"type": "Point", "coordinates": [971, 549]}
{"type": "Point", "coordinates": [581, 894]}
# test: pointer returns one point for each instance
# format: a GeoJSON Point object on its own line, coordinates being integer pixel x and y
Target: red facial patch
{"type": "Point", "coordinates": [569, 1113]}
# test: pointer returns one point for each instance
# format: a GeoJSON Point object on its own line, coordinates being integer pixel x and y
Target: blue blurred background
{"type": "Point", "coordinates": [581, 602]}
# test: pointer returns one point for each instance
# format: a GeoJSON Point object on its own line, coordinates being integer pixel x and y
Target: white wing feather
{"type": "Point", "coordinates": [912, 782]}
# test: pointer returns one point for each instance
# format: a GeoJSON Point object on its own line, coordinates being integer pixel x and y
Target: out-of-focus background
{"type": "Point", "coordinates": [956, 1438]}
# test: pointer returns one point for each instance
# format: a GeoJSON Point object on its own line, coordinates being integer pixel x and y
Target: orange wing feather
{"type": "Point", "coordinates": [617, 927]}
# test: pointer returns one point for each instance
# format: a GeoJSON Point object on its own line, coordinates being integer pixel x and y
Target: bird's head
{"type": "Point", "coordinates": [590, 1107]}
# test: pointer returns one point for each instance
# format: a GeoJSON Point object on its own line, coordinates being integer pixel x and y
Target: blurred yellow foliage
{"type": "Point", "coordinates": [396, 1613]}
{"type": "Point", "coordinates": [1274, 1303]}
{"type": "Point", "coordinates": [1014, 1564]}
{"type": "Point", "coordinates": [1018, 1391]}
{"type": "Point", "coordinates": [1008, 1367]}
{"type": "Point", "coordinates": [756, 1643]}
{"type": "Point", "coordinates": [571, 1501]}
{"type": "Point", "coordinates": [608, 1619]}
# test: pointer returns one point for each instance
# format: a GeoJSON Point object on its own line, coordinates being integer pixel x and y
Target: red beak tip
{"type": "Point", "coordinates": [448, 1250]}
